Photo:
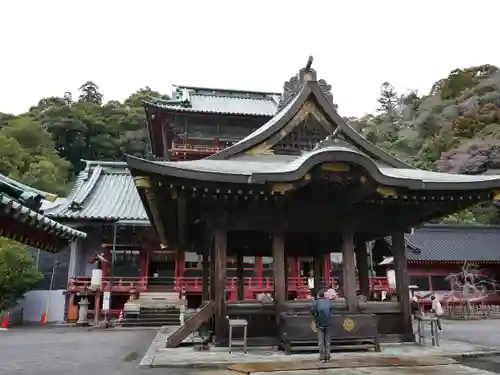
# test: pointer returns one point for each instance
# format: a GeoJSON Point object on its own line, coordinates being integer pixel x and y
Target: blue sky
{"type": "Point", "coordinates": [52, 46]}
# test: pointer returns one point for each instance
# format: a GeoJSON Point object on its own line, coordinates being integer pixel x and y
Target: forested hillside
{"type": "Point", "coordinates": [455, 128]}
{"type": "Point", "coordinates": [44, 146]}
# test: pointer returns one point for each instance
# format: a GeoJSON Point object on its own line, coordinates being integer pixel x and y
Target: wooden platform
{"type": "Point", "coordinates": [264, 331]}
{"type": "Point", "coordinates": [365, 362]}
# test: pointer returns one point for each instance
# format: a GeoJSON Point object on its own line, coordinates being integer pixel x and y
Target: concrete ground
{"type": "Point", "coordinates": [478, 332]}
{"type": "Point", "coordinates": [459, 338]}
{"type": "Point", "coordinates": [75, 351]}
{"type": "Point", "coordinates": [60, 350]}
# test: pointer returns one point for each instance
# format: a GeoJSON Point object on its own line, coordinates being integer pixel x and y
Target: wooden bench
{"type": "Point", "coordinates": [348, 331]}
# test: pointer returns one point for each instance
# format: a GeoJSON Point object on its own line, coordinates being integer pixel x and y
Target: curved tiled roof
{"type": "Point", "coordinates": [308, 99]}
{"type": "Point", "coordinates": [102, 191]}
{"type": "Point", "coordinates": [19, 206]}
{"type": "Point", "coordinates": [268, 168]}
{"type": "Point", "coordinates": [217, 101]}
{"type": "Point", "coordinates": [456, 243]}
{"type": "Point", "coordinates": [26, 215]}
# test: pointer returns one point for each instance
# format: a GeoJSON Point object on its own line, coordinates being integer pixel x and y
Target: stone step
{"type": "Point", "coordinates": [154, 315]}
{"type": "Point", "coordinates": [169, 296]}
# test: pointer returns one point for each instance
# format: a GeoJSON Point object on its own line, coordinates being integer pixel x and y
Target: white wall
{"type": "Point", "coordinates": [34, 304]}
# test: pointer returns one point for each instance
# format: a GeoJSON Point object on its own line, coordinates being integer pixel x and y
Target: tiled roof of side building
{"type": "Point", "coordinates": [102, 191]}
{"type": "Point", "coordinates": [219, 101]}
{"type": "Point", "coordinates": [440, 242]}
{"type": "Point", "coordinates": [22, 203]}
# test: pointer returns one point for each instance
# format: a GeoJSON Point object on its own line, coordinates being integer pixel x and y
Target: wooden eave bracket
{"type": "Point", "coordinates": [387, 192]}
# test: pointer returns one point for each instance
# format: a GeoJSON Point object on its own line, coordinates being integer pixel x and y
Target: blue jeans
{"type": "Point", "coordinates": [324, 343]}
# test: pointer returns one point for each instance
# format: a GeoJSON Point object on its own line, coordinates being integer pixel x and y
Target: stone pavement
{"type": "Point", "coordinates": [479, 332]}
{"type": "Point", "coordinates": [187, 357]}
{"type": "Point", "coordinates": [44, 350]}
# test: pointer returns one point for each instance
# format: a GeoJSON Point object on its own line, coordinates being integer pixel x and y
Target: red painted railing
{"type": "Point", "coordinates": [184, 149]}
{"type": "Point", "coordinates": [119, 284]}
{"type": "Point", "coordinates": [194, 284]}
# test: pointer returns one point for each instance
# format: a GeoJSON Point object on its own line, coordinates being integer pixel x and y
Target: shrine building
{"type": "Point", "coordinates": [305, 183]}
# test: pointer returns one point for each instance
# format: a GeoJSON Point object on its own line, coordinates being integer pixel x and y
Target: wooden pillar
{"type": "Point", "coordinates": [402, 287]}
{"type": "Point", "coordinates": [279, 269]}
{"type": "Point", "coordinates": [205, 274]}
{"type": "Point", "coordinates": [219, 281]}
{"type": "Point", "coordinates": [317, 273]}
{"type": "Point", "coordinates": [349, 270]}
{"type": "Point", "coordinates": [240, 283]}
{"type": "Point", "coordinates": [97, 307]}
{"type": "Point", "coordinates": [181, 221]}
{"type": "Point", "coordinates": [362, 265]}
{"type": "Point", "coordinates": [287, 275]}
{"type": "Point", "coordinates": [206, 269]}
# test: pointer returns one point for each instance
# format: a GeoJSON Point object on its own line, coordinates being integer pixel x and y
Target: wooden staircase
{"type": "Point", "coordinates": [191, 325]}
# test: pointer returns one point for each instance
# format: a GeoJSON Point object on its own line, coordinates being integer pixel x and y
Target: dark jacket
{"type": "Point", "coordinates": [322, 312]}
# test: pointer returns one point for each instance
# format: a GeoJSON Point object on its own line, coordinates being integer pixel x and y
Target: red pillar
{"type": "Point", "coordinates": [105, 265]}
{"type": "Point", "coordinates": [144, 265]}
{"type": "Point", "coordinates": [327, 268]}
{"type": "Point", "coordinates": [97, 303]}
{"type": "Point", "coordinates": [258, 272]}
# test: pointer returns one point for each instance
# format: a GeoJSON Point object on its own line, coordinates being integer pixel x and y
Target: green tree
{"type": "Point", "coordinates": [27, 154]}
{"type": "Point", "coordinates": [17, 273]}
{"type": "Point", "coordinates": [86, 129]}
{"type": "Point", "coordinates": [388, 99]}
{"type": "Point", "coordinates": [89, 92]}
{"type": "Point", "coordinates": [388, 103]}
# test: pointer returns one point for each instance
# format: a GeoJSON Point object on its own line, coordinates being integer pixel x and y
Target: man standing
{"type": "Point", "coordinates": [438, 309]}
{"type": "Point", "coordinates": [322, 313]}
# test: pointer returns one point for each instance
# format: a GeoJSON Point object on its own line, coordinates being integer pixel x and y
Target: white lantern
{"type": "Point", "coordinates": [391, 278]}
{"type": "Point", "coordinates": [96, 280]}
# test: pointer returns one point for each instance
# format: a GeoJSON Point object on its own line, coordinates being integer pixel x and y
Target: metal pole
{"type": "Point", "coordinates": [37, 263]}
{"type": "Point", "coordinates": [51, 285]}
{"type": "Point", "coordinates": [54, 268]}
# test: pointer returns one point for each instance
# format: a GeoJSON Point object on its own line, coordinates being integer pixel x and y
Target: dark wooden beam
{"type": "Point", "coordinates": [402, 280]}
{"type": "Point", "coordinates": [318, 271]}
{"type": "Point", "coordinates": [181, 220]}
{"type": "Point", "coordinates": [318, 221]}
{"type": "Point", "coordinates": [362, 266]}
{"type": "Point", "coordinates": [279, 263]}
{"type": "Point", "coordinates": [220, 250]}
{"type": "Point", "coordinates": [207, 249]}
{"type": "Point", "coordinates": [240, 284]}
{"type": "Point", "coordinates": [166, 139]}
{"type": "Point", "coordinates": [349, 270]}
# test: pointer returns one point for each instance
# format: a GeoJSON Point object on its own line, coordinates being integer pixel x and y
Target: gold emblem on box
{"type": "Point", "coordinates": [348, 324]}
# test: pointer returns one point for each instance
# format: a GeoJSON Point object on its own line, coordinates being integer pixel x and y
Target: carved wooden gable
{"type": "Point", "coordinates": [303, 138]}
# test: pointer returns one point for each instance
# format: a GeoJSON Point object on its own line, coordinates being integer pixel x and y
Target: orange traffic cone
{"type": "Point", "coordinates": [5, 322]}
{"type": "Point", "coordinates": [43, 318]}
{"type": "Point", "coordinates": [120, 318]}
